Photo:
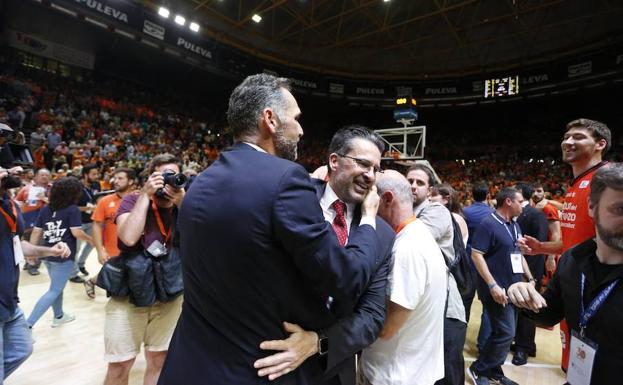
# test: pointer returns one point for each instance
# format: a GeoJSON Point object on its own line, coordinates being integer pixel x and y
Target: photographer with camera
{"type": "Point", "coordinates": [146, 309]}
{"type": "Point", "coordinates": [16, 340]}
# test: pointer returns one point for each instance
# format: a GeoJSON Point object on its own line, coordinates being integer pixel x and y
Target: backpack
{"type": "Point", "coordinates": [460, 267]}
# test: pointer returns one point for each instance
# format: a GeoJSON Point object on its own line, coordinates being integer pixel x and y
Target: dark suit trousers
{"type": "Point", "coordinates": [453, 340]}
{"type": "Point", "coordinates": [526, 331]}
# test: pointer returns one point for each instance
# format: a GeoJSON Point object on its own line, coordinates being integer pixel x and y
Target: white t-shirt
{"type": "Point", "coordinates": [418, 282]}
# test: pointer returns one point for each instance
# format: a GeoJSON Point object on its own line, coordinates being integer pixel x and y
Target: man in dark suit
{"type": "Point", "coordinates": [257, 251]}
{"type": "Point", "coordinates": [353, 164]}
{"type": "Point", "coordinates": [533, 223]}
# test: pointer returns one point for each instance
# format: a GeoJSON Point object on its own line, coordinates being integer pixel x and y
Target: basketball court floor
{"type": "Point", "coordinates": [72, 354]}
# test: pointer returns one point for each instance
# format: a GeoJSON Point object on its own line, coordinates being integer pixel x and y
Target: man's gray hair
{"type": "Point", "coordinates": [253, 95]}
{"type": "Point", "coordinates": [608, 176]}
{"type": "Point", "coordinates": [397, 184]}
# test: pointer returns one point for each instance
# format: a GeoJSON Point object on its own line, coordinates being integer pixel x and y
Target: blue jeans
{"type": "Point", "coordinates": [485, 329]}
{"type": "Point", "coordinates": [85, 249]}
{"type": "Point", "coordinates": [15, 343]}
{"type": "Point", "coordinates": [493, 354]}
{"type": "Point", "coordinates": [59, 275]}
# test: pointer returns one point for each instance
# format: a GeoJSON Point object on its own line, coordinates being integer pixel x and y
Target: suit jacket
{"type": "Point", "coordinates": [533, 223]}
{"type": "Point", "coordinates": [359, 321]}
{"type": "Point", "coordinates": [257, 251]}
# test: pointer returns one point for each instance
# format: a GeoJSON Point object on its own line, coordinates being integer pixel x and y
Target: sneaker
{"type": "Point", "coordinates": [66, 318]}
{"type": "Point", "coordinates": [84, 271]}
{"type": "Point", "coordinates": [77, 279]}
{"type": "Point", "coordinates": [33, 271]}
{"type": "Point", "coordinates": [476, 379]}
{"type": "Point", "coordinates": [505, 381]}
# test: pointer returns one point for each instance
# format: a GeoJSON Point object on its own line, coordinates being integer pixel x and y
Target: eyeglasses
{"type": "Point", "coordinates": [362, 163]}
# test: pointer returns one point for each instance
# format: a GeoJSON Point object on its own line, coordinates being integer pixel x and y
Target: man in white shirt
{"type": "Point", "coordinates": [410, 346]}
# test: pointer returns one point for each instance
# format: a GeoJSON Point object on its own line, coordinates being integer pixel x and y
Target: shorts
{"type": "Point", "coordinates": [127, 327]}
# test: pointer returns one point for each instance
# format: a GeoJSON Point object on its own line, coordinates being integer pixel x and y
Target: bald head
{"type": "Point", "coordinates": [396, 203]}
{"type": "Point", "coordinates": [392, 180]}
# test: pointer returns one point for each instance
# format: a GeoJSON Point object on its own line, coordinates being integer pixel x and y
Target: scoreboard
{"type": "Point", "coordinates": [405, 108]}
{"type": "Point", "coordinates": [501, 87]}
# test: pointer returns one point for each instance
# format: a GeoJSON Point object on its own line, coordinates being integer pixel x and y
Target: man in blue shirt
{"type": "Point", "coordinates": [499, 264]}
{"type": "Point", "coordinates": [15, 339]}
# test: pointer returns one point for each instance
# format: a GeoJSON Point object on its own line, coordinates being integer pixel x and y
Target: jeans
{"type": "Point", "coordinates": [15, 343]}
{"type": "Point", "coordinates": [485, 329]}
{"type": "Point", "coordinates": [85, 249]}
{"type": "Point", "coordinates": [59, 275]}
{"type": "Point", "coordinates": [493, 354]}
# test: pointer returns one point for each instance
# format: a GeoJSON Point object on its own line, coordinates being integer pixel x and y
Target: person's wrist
{"type": "Point", "coordinates": [492, 285]}
{"type": "Point", "coordinates": [532, 281]}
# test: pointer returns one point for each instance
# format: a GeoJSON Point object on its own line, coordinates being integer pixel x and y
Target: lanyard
{"type": "Point", "coordinates": [11, 221]}
{"type": "Point", "coordinates": [596, 303]}
{"type": "Point", "coordinates": [405, 223]}
{"type": "Point", "coordinates": [166, 234]}
{"type": "Point", "coordinates": [89, 194]}
{"type": "Point", "coordinates": [507, 230]}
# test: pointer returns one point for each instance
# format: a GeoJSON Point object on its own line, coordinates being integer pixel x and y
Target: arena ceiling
{"type": "Point", "coordinates": [407, 39]}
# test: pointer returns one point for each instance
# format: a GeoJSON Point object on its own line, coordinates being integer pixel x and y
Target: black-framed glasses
{"type": "Point", "coordinates": [362, 163]}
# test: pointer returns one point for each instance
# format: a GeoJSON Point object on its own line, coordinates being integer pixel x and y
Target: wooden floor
{"type": "Point", "coordinates": [72, 354]}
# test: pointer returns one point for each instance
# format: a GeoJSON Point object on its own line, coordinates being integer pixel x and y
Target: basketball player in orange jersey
{"type": "Point", "coordinates": [583, 147]}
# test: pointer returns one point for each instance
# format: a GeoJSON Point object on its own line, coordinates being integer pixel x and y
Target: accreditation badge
{"type": "Point", "coordinates": [516, 262]}
{"type": "Point", "coordinates": [581, 359]}
{"type": "Point", "coordinates": [18, 253]}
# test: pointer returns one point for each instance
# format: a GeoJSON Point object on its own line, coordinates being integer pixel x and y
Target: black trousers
{"type": "Point", "coordinates": [526, 331]}
{"type": "Point", "coordinates": [453, 339]}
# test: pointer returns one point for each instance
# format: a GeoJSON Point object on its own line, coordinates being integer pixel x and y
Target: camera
{"type": "Point", "coordinates": [177, 180]}
{"type": "Point", "coordinates": [11, 181]}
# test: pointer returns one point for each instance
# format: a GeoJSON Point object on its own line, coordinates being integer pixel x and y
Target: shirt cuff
{"type": "Point", "coordinates": [368, 220]}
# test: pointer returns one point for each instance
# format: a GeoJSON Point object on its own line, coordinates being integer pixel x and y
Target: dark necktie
{"type": "Point", "coordinates": [339, 223]}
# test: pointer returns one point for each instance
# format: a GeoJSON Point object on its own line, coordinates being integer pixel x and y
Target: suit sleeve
{"type": "Point", "coordinates": [542, 228]}
{"type": "Point", "coordinates": [358, 330]}
{"type": "Point", "coordinates": [342, 272]}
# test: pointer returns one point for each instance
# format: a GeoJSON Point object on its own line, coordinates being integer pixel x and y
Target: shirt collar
{"type": "Point", "coordinates": [330, 196]}
{"type": "Point", "coordinates": [525, 203]}
{"type": "Point", "coordinates": [255, 146]}
{"type": "Point", "coordinates": [418, 209]}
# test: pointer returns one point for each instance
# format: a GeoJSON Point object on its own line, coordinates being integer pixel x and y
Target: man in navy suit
{"type": "Point", "coordinates": [353, 165]}
{"type": "Point", "coordinates": [257, 251]}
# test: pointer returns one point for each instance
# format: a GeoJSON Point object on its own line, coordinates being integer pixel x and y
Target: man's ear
{"type": "Point", "coordinates": [601, 144]}
{"type": "Point", "coordinates": [592, 207]}
{"type": "Point", "coordinates": [333, 161]}
{"type": "Point", "coordinates": [387, 197]}
{"type": "Point", "coordinates": [268, 121]}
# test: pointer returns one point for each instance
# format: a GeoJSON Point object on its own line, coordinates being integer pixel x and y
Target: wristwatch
{"type": "Point", "coordinates": [323, 343]}
{"type": "Point", "coordinates": [492, 285]}
{"type": "Point", "coordinates": [532, 280]}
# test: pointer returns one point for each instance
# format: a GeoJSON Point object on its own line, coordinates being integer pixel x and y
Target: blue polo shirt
{"type": "Point", "coordinates": [9, 272]}
{"type": "Point", "coordinates": [496, 239]}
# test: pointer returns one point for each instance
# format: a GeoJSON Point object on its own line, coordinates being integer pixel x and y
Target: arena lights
{"type": "Point", "coordinates": [179, 19]}
{"type": "Point", "coordinates": [194, 27]}
{"type": "Point", "coordinates": [256, 18]}
{"type": "Point", "coordinates": [386, 1]}
{"type": "Point", "coordinates": [162, 11]}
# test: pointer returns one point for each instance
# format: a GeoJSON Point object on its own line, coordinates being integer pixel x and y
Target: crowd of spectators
{"type": "Point", "coordinates": [69, 123]}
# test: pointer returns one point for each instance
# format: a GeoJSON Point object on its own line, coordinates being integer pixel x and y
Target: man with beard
{"type": "Point", "coordinates": [258, 250]}
{"type": "Point", "coordinates": [583, 147]}
{"type": "Point", "coordinates": [90, 188]}
{"type": "Point", "coordinates": [104, 227]}
{"type": "Point", "coordinates": [586, 288]}
{"type": "Point", "coordinates": [150, 259]}
{"type": "Point", "coordinates": [353, 164]}
{"type": "Point", "coordinates": [553, 224]}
